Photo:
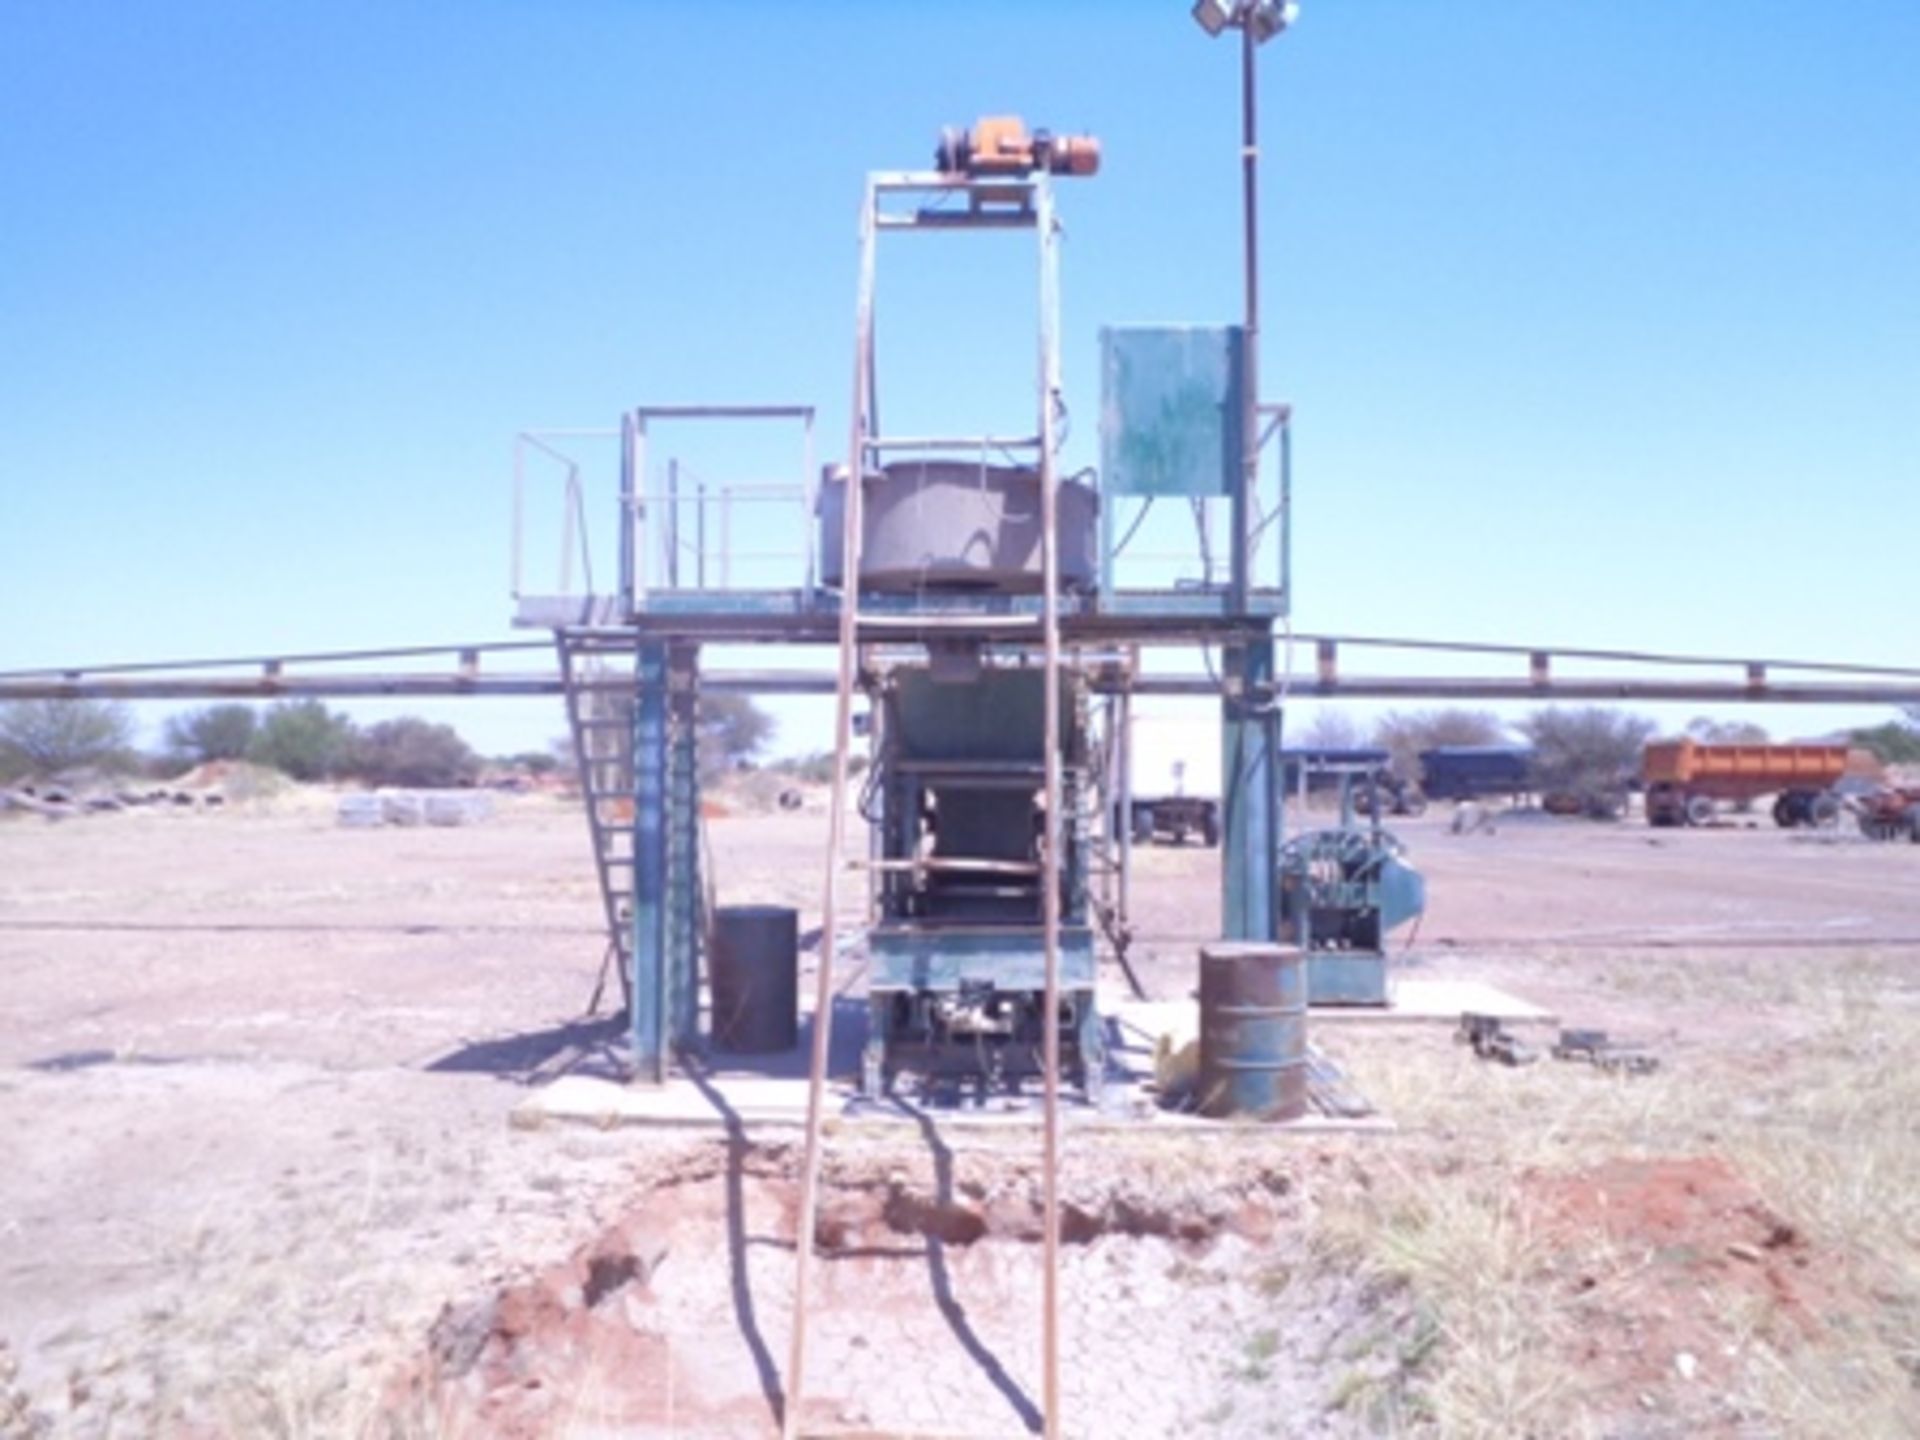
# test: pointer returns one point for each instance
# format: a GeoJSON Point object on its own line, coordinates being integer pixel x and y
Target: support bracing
{"type": "Point", "coordinates": [1250, 789]}
{"type": "Point", "coordinates": [650, 887]}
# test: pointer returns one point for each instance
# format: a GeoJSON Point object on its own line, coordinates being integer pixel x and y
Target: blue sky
{"type": "Point", "coordinates": [1602, 322]}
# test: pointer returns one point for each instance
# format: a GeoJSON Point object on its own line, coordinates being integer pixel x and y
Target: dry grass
{"type": "Point", "coordinates": [1803, 1081]}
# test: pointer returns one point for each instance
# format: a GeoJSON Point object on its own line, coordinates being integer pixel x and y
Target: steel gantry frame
{"type": "Point", "coordinates": [1002, 203]}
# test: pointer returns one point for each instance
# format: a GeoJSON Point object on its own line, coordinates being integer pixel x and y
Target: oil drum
{"type": "Point", "coordinates": [1253, 1031]}
{"type": "Point", "coordinates": [753, 974]}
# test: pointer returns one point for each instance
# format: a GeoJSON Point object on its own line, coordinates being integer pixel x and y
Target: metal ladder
{"type": "Point", "coordinates": [600, 718]}
{"type": "Point", "coordinates": [857, 626]}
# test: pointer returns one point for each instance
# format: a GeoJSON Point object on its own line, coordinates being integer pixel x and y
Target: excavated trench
{"type": "Point", "coordinates": [925, 1311]}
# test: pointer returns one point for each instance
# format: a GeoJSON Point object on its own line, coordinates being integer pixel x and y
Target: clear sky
{"type": "Point", "coordinates": [1602, 321]}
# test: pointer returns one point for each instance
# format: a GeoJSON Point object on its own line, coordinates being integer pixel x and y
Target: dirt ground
{"type": "Point", "coordinates": [258, 1176]}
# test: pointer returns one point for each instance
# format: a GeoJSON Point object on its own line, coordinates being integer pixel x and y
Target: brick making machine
{"type": "Point", "coordinates": [956, 980]}
{"type": "Point", "coordinates": [987, 608]}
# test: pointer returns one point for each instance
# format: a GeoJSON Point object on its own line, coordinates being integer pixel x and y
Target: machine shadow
{"type": "Point", "coordinates": [942, 1281]}
{"type": "Point", "coordinates": [530, 1057]}
{"type": "Point", "coordinates": [740, 1283]}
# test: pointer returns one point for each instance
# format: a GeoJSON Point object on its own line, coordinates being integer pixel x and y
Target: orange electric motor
{"type": "Point", "coordinates": [1000, 145]}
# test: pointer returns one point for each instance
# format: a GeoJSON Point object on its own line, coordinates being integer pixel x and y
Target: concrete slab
{"type": "Point", "coordinates": [1141, 1022]}
{"type": "Point", "coordinates": [761, 1104]}
{"type": "Point", "coordinates": [1425, 1001]}
{"type": "Point", "coordinates": [770, 1092]}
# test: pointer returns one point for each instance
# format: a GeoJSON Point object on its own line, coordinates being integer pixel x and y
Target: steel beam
{"type": "Point", "coordinates": [682, 957]}
{"type": "Point", "coordinates": [1249, 791]}
{"type": "Point", "coordinates": [457, 685]}
{"type": "Point", "coordinates": [650, 868]}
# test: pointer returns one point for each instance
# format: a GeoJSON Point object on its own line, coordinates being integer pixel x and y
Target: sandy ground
{"type": "Point", "coordinates": [255, 1074]}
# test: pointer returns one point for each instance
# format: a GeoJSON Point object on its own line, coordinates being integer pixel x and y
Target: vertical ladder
{"type": "Point", "coordinates": [600, 717]}
{"type": "Point", "coordinates": [862, 445]}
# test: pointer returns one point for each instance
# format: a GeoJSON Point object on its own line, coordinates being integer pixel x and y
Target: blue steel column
{"type": "Point", "coordinates": [1250, 742]}
{"type": "Point", "coordinates": [683, 849]}
{"type": "Point", "coordinates": [650, 861]}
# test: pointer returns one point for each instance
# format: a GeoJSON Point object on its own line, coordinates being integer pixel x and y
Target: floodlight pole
{"type": "Point", "coordinates": [1250, 343]}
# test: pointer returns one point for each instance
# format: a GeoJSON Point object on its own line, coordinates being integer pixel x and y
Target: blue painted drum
{"type": "Point", "coordinates": [1253, 1031]}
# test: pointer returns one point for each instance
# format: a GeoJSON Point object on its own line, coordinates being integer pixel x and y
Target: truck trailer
{"type": "Point", "coordinates": [1685, 778]}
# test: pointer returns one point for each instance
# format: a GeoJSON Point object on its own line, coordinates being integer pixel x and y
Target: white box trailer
{"type": "Point", "coordinates": [1174, 772]}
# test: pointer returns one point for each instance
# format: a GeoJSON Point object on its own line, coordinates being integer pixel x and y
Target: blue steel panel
{"type": "Point", "coordinates": [1249, 794]}
{"type": "Point", "coordinates": [1171, 410]}
{"type": "Point", "coordinates": [1346, 977]}
{"type": "Point", "coordinates": [650, 932]}
{"type": "Point", "coordinates": [681, 983]}
{"type": "Point", "coordinates": [1008, 957]}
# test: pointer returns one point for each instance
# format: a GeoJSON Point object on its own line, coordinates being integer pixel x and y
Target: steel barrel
{"type": "Point", "coordinates": [1253, 1031]}
{"type": "Point", "coordinates": [754, 977]}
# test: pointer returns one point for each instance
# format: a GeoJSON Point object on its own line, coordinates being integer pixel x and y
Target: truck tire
{"type": "Point", "coordinates": [1699, 810]}
{"type": "Point", "coordinates": [1663, 806]}
{"type": "Point", "coordinates": [1210, 829]}
{"type": "Point", "coordinates": [1785, 814]}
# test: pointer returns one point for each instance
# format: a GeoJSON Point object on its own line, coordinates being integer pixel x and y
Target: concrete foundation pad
{"type": "Point", "coordinates": [756, 1103]}
{"type": "Point", "coordinates": [1412, 1001]}
{"type": "Point", "coordinates": [771, 1094]}
{"type": "Point", "coordinates": [1415, 1000]}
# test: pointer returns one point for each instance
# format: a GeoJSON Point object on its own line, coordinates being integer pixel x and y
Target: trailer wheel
{"type": "Point", "coordinates": [1663, 806]}
{"type": "Point", "coordinates": [1143, 824]}
{"type": "Point", "coordinates": [1209, 830]}
{"type": "Point", "coordinates": [1785, 814]}
{"type": "Point", "coordinates": [1699, 810]}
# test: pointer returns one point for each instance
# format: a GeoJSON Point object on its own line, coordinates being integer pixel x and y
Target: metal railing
{"type": "Point", "coordinates": [658, 549]}
{"type": "Point", "coordinates": [636, 496]}
{"type": "Point", "coordinates": [540, 444]}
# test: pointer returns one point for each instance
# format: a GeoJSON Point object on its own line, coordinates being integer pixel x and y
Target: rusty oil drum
{"type": "Point", "coordinates": [1253, 1031]}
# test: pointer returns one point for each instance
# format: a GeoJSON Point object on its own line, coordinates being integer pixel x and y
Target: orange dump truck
{"type": "Point", "coordinates": [1684, 778]}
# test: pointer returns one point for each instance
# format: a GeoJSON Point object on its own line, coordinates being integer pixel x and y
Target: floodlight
{"type": "Point", "coordinates": [1214, 15]}
{"type": "Point", "coordinates": [1267, 18]}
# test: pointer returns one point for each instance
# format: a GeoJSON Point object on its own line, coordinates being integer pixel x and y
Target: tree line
{"type": "Point", "coordinates": [307, 741]}
{"type": "Point", "coordinates": [300, 738]}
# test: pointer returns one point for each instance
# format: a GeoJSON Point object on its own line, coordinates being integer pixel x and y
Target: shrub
{"type": "Point", "coordinates": [304, 739]}
{"type": "Point", "coordinates": [412, 751]}
{"type": "Point", "coordinates": [1588, 751]}
{"type": "Point", "coordinates": [219, 732]}
{"type": "Point", "coordinates": [44, 737]}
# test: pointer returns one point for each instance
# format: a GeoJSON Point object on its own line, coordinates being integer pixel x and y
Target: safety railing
{"type": "Point", "coordinates": [702, 536]}
{"type": "Point", "coordinates": [676, 530]}
{"type": "Point", "coordinates": [655, 538]}
{"type": "Point", "coordinates": [556, 450]}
